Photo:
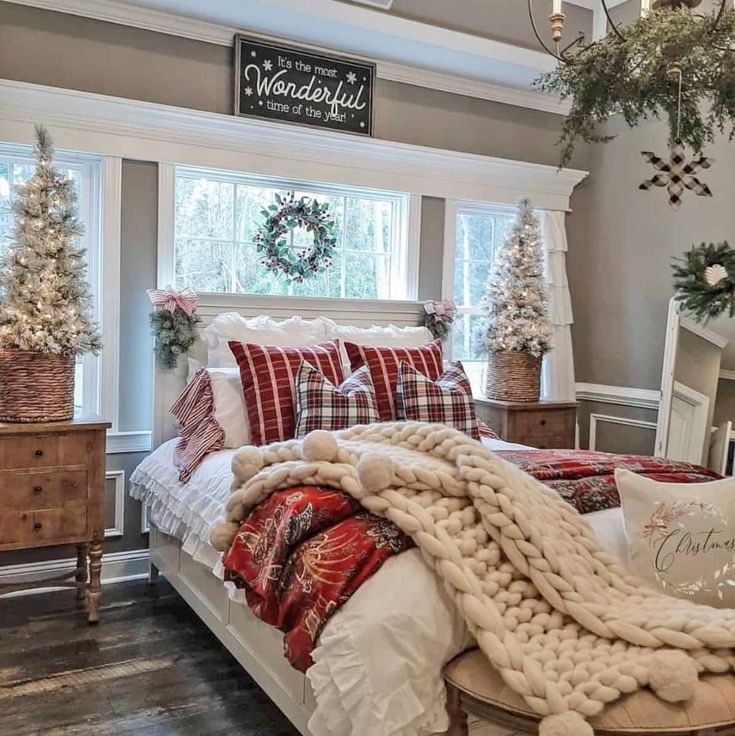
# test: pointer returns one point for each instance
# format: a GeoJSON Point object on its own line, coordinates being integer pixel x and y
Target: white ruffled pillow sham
{"type": "Point", "coordinates": [262, 330]}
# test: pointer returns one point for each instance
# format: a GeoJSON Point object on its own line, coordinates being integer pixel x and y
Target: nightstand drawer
{"type": "Point", "coordinates": [29, 491]}
{"type": "Point", "coordinates": [44, 527]}
{"type": "Point", "coordinates": [537, 423]}
{"type": "Point", "coordinates": [45, 450]}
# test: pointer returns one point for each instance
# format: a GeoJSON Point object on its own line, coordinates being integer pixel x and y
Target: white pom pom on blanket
{"type": "Point", "coordinates": [375, 472]}
{"type": "Point", "coordinates": [319, 446]}
{"type": "Point", "coordinates": [247, 463]}
{"type": "Point", "coordinates": [673, 675]}
{"type": "Point", "coordinates": [570, 723]}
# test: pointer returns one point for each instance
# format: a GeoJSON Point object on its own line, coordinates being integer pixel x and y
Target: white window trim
{"type": "Point", "coordinates": [452, 209]}
{"type": "Point", "coordinates": [404, 273]}
{"type": "Point", "coordinates": [100, 213]}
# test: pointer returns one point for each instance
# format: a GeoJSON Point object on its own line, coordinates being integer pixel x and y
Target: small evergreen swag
{"type": "Point", "coordinates": [704, 279]}
{"type": "Point", "coordinates": [634, 77]}
{"type": "Point", "coordinates": [286, 214]}
{"type": "Point", "coordinates": [175, 333]}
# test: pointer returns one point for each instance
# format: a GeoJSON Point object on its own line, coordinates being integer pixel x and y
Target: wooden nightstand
{"type": "Point", "coordinates": [52, 485]}
{"type": "Point", "coordinates": [543, 424]}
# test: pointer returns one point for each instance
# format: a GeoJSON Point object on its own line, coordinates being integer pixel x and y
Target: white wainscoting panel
{"type": "Point", "coordinates": [118, 528]}
{"type": "Point", "coordinates": [596, 419]}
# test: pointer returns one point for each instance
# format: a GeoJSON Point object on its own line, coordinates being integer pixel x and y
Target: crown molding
{"type": "Point", "coordinates": [132, 129]}
{"type": "Point", "coordinates": [482, 52]}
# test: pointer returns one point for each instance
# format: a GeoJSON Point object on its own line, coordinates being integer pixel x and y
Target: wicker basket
{"type": "Point", "coordinates": [513, 376]}
{"type": "Point", "coordinates": [36, 387]}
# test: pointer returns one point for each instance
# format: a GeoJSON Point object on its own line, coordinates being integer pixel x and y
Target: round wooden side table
{"type": "Point", "coordinates": [475, 688]}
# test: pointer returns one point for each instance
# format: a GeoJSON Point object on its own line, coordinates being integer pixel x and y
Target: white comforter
{"type": "Point", "coordinates": [377, 668]}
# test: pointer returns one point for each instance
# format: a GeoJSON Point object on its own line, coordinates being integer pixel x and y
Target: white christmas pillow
{"type": "Point", "coordinates": [262, 330]}
{"type": "Point", "coordinates": [681, 536]}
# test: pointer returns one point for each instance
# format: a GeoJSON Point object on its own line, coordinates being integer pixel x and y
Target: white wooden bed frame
{"type": "Point", "coordinates": [255, 645]}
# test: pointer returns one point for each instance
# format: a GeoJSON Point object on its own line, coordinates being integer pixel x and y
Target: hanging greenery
{"type": "Point", "coordinates": [637, 76]}
{"type": "Point", "coordinates": [704, 279]}
{"type": "Point", "coordinates": [174, 323]}
{"type": "Point", "coordinates": [286, 214]}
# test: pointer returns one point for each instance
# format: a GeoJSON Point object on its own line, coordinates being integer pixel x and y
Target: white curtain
{"type": "Point", "coordinates": [557, 381]}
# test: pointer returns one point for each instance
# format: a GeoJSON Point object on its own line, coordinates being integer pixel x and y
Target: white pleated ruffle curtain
{"type": "Point", "coordinates": [557, 379]}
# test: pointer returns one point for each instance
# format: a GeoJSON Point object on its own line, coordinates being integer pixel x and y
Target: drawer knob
{"type": "Point", "coordinates": [543, 422]}
{"type": "Point", "coordinates": [37, 525]}
{"type": "Point", "coordinates": [38, 490]}
{"type": "Point", "coordinates": [39, 453]}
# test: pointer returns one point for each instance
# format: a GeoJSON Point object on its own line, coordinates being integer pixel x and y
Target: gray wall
{"type": "Point", "coordinates": [621, 244]}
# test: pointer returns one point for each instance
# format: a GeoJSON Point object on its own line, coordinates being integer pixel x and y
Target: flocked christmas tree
{"type": "Point", "coordinates": [45, 300]}
{"type": "Point", "coordinates": [516, 299]}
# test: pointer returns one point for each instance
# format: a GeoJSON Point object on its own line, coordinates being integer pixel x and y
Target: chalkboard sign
{"type": "Point", "coordinates": [297, 86]}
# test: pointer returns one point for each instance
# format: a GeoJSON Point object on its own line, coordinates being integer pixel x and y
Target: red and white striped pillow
{"type": "Point", "coordinates": [322, 405]}
{"type": "Point", "coordinates": [268, 376]}
{"type": "Point", "coordinates": [200, 433]}
{"type": "Point", "coordinates": [383, 365]}
{"type": "Point", "coordinates": [448, 400]}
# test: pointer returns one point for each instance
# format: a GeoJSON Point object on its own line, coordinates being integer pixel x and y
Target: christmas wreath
{"type": "Point", "coordinates": [704, 280]}
{"type": "Point", "coordinates": [285, 215]}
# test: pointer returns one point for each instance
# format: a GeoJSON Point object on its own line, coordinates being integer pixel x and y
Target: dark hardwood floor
{"type": "Point", "coordinates": [149, 667]}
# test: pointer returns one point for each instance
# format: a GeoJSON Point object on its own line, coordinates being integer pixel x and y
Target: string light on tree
{"type": "Point", "coordinates": [516, 301]}
{"type": "Point", "coordinates": [45, 300]}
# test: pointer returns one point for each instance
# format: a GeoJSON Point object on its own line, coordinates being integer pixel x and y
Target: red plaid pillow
{"type": "Point", "coordinates": [322, 405]}
{"type": "Point", "coordinates": [383, 365]}
{"type": "Point", "coordinates": [268, 375]}
{"type": "Point", "coordinates": [200, 433]}
{"type": "Point", "coordinates": [447, 400]}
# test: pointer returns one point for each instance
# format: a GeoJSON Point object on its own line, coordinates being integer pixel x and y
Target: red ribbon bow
{"type": "Point", "coordinates": [186, 299]}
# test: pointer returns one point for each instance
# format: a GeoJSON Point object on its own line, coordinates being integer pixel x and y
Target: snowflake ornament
{"type": "Point", "coordinates": [677, 174]}
{"type": "Point", "coordinates": [713, 275]}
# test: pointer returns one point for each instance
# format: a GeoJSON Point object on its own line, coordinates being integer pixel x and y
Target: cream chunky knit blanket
{"type": "Point", "coordinates": [553, 612]}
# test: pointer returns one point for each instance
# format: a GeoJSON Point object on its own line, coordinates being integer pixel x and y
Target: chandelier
{"type": "Point", "coordinates": [673, 62]}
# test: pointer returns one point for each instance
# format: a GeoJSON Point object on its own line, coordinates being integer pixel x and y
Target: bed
{"type": "Point", "coordinates": [362, 680]}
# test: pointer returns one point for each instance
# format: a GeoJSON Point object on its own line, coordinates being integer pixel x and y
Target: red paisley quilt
{"type": "Point", "coordinates": [301, 554]}
{"type": "Point", "coordinates": [304, 551]}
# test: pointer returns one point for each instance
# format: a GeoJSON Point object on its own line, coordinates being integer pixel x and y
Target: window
{"type": "Point", "coordinates": [217, 215]}
{"type": "Point", "coordinates": [17, 165]}
{"type": "Point", "coordinates": [478, 231]}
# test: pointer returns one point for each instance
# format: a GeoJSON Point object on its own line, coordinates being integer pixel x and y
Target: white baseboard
{"type": "Point", "coordinates": [116, 567]}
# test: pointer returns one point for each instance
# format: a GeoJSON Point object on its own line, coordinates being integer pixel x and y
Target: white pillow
{"type": "Point", "coordinates": [262, 330]}
{"type": "Point", "coordinates": [229, 403]}
{"type": "Point", "coordinates": [681, 536]}
{"type": "Point", "coordinates": [391, 336]}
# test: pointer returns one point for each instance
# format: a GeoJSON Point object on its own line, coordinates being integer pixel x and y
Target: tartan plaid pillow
{"type": "Point", "coordinates": [322, 405]}
{"type": "Point", "coordinates": [448, 400]}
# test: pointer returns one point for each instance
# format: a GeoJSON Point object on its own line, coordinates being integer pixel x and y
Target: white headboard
{"type": "Point", "coordinates": [358, 312]}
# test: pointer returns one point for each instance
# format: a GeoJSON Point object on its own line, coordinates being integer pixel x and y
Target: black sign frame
{"type": "Point", "coordinates": [285, 50]}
